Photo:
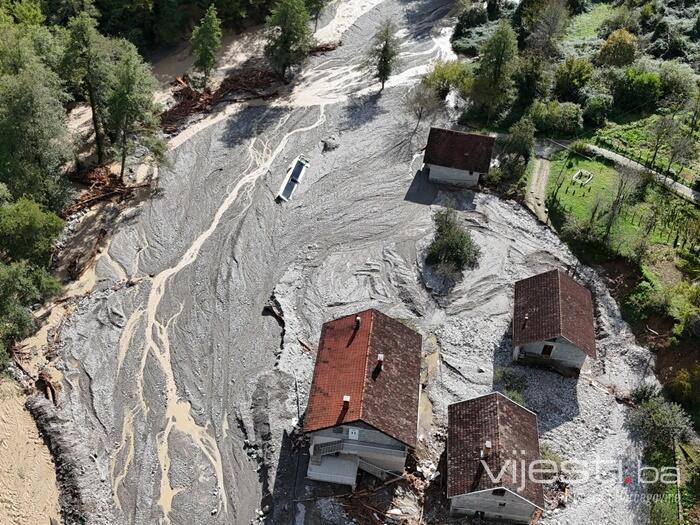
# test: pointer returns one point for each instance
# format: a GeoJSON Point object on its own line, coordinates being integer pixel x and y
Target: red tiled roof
{"type": "Point", "coordinates": [509, 427]}
{"type": "Point", "coordinates": [555, 305]}
{"type": "Point", "coordinates": [385, 398]}
{"type": "Point", "coordinates": [462, 151]}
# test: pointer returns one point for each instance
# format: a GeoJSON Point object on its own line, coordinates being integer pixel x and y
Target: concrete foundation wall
{"type": "Point", "coordinates": [443, 175]}
{"type": "Point", "coordinates": [507, 507]}
{"type": "Point", "coordinates": [564, 353]}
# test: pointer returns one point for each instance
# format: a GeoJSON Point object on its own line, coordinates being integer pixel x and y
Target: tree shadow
{"type": "Point", "coordinates": [423, 16]}
{"type": "Point", "coordinates": [362, 110]}
{"type": "Point", "coordinates": [552, 396]}
{"type": "Point", "coordinates": [251, 122]}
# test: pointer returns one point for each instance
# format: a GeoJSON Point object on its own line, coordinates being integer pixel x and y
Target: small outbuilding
{"type": "Point", "coordinates": [553, 322]}
{"type": "Point", "coordinates": [454, 157]}
{"type": "Point", "coordinates": [491, 443]}
{"type": "Point", "coordinates": [363, 403]}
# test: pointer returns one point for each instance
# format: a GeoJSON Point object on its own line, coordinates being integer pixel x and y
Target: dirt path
{"type": "Point", "coordinates": [537, 190]}
{"type": "Point", "coordinates": [28, 490]}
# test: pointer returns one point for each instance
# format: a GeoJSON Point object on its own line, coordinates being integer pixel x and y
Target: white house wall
{"type": "Point", "coordinates": [563, 353]}
{"type": "Point", "coordinates": [444, 175]}
{"type": "Point", "coordinates": [515, 509]}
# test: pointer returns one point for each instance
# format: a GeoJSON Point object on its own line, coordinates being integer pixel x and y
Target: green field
{"type": "Point", "coordinates": [633, 139]}
{"type": "Point", "coordinates": [578, 200]}
{"type": "Point", "coordinates": [586, 25]}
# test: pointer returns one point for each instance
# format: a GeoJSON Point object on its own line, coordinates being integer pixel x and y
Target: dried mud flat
{"type": "Point", "coordinates": [28, 489]}
{"type": "Point", "coordinates": [180, 392]}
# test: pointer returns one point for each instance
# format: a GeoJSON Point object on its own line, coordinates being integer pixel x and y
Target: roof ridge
{"type": "Point", "coordinates": [364, 369]}
{"type": "Point", "coordinates": [559, 302]}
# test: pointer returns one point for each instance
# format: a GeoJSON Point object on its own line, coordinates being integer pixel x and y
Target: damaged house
{"type": "Point", "coordinates": [491, 443]}
{"type": "Point", "coordinates": [363, 403]}
{"type": "Point", "coordinates": [453, 157]}
{"type": "Point", "coordinates": [553, 322]}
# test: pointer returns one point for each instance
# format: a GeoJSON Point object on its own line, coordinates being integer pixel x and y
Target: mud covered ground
{"type": "Point", "coordinates": [179, 391]}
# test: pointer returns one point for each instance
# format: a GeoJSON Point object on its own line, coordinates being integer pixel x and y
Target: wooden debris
{"type": "Point", "coordinates": [325, 47]}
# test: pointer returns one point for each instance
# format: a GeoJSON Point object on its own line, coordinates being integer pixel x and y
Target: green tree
{"type": "Point", "coordinates": [206, 41]}
{"type": "Point", "coordinates": [678, 85]}
{"type": "Point", "coordinates": [289, 38]}
{"type": "Point", "coordinates": [493, 81]}
{"type": "Point", "coordinates": [27, 231]}
{"type": "Point", "coordinates": [619, 49]}
{"type": "Point", "coordinates": [21, 285]}
{"type": "Point", "coordinates": [658, 422]}
{"type": "Point", "coordinates": [532, 78]}
{"type": "Point", "coordinates": [28, 13]}
{"type": "Point", "coordinates": [134, 116]}
{"type": "Point", "coordinates": [383, 54]}
{"type": "Point", "coordinates": [571, 78]}
{"type": "Point", "coordinates": [638, 89]}
{"type": "Point", "coordinates": [548, 26]}
{"type": "Point", "coordinates": [88, 62]}
{"type": "Point", "coordinates": [34, 142]}
{"type": "Point", "coordinates": [314, 7]}
{"type": "Point", "coordinates": [452, 249]}
{"type": "Point", "coordinates": [521, 139]}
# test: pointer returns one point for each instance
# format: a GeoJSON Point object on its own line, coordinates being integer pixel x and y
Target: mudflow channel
{"type": "Point", "coordinates": [172, 369]}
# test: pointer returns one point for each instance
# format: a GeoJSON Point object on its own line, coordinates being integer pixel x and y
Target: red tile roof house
{"type": "Point", "coordinates": [486, 434]}
{"type": "Point", "coordinates": [363, 403]}
{"type": "Point", "coordinates": [553, 322]}
{"type": "Point", "coordinates": [453, 157]}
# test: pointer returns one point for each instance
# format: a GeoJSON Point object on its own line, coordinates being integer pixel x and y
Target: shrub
{"type": "Point", "coordinates": [644, 392]}
{"type": "Point", "coordinates": [619, 49]}
{"type": "Point", "coordinates": [453, 248]}
{"type": "Point", "coordinates": [447, 75]}
{"type": "Point", "coordinates": [558, 118]}
{"type": "Point", "coordinates": [648, 297]}
{"type": "Point", "coordinates": [638, 88]}
{"type": "Point", "coordinates": [657, 422]}
{"type": "Point", "coordinates": [571, 77]}
{"type": "Point", "coordinates": [597, 109]}
{"type": "Point", "coordinates": [474, 16]}
{"type": "Point", "coordinates": [27, 231]}
{"type": "Point", "coordinates": [516, 396]}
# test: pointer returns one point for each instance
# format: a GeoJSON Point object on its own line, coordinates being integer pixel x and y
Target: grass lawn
{"type": "Point", "coordinates": [634, 140]}
{"type": "Point", "coordinates": [585, 26]}
{"type": "Point", "coordinates": [578, 200]}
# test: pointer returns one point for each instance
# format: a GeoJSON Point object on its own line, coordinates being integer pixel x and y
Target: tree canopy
{"type": "Point", "coordinates": [206, 42]}
{"type": "Point", "coordinates": [383, 52]}
{"type": "Point", "coordinates": [289, 38]}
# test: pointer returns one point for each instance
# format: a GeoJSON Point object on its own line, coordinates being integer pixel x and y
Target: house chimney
{"type": "Point", "coordinates": [380, 360]}
{"type": "Point", "coordinates": [487, 445]}
{"type": "Point", "coordinates": [346, 401]}
{"type": "Point", "coordinates": [527, 317]}
{"type": "Point", "coordinates": [358, 320]}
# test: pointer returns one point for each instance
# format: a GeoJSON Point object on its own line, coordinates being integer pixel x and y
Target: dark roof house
{"type": "Point", "coordinates": [494, 429]}
{"type": "Point", "coordinates": [458, 150]}
{"type": "Point", "coordinates": [367, 370]}
{"type": "Point", "coordinates": [553, 305]}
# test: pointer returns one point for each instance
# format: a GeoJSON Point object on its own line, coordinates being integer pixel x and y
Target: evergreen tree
{"type": "Point", "coordinates": [384, 53]}
{"type": "Point", "coordinates": [88, 61]}
{"type": "Point", "coordinates": [206, 41]}
{"type": "Point", "coordinates": [289, 38]}
{"type": "Point", "coordinates": [314, 8]}
{"type": "Point", "coordinates": [133, 115]}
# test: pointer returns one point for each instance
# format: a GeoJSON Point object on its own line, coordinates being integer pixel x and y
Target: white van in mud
{"type": "Point", "coordinates": [294, 175]}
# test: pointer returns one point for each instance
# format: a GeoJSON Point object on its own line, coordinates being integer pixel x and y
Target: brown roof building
{"type": "Point", "coordinates": [553, 317]}
{"type": "Point", "coordinates": [375, 362]}
{"type": "Point", "coordinates": [363, 403]}
{"type": "Point", "coordinates": [492, 431]}
{"type": "Point", "coordinates": [455, 157]}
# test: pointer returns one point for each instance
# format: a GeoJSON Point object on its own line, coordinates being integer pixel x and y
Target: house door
{"type": "Point", "coordinates": [354, 433]}
{"type": "Point", "coordinates": [547, 350]}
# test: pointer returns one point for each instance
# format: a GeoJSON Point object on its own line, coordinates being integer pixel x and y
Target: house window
{"type": "Point", "coordinates": [499, 492]}
{"type": "Point", "coordinates": [337, 430]}
{"type": "Point", "coordinates": [502, 504]}
{"type": "Point", "coordinates": [547, 350]}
